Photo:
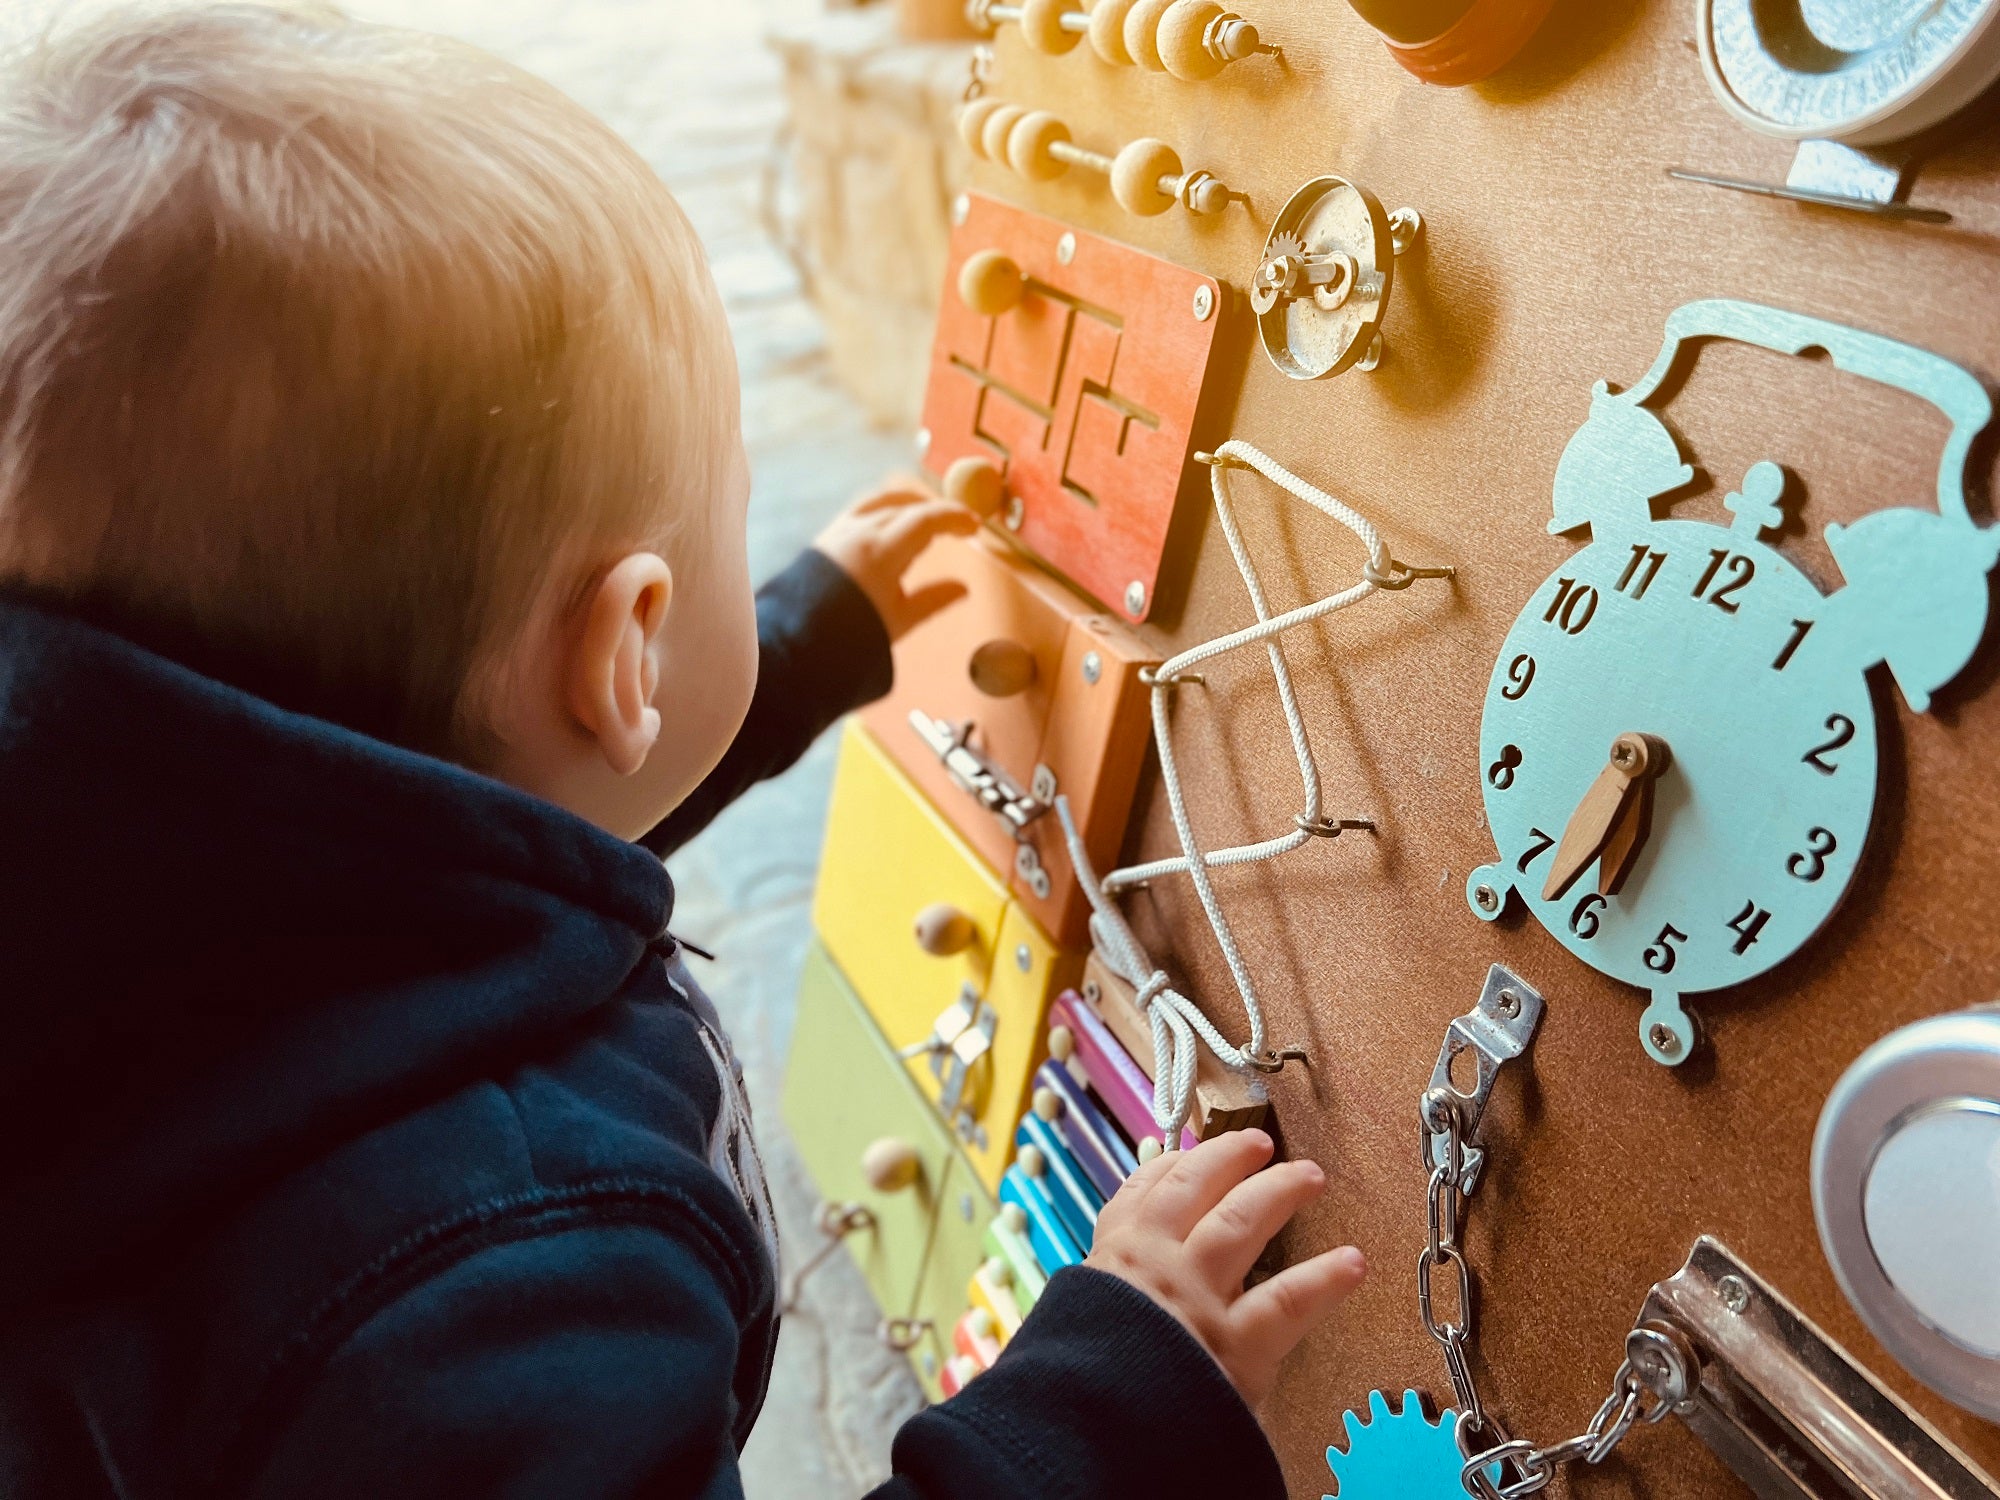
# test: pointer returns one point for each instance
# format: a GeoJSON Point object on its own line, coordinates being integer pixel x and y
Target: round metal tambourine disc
{"type": "Point", "coordinates": [1864, 72]}
{"type": "Point", "coordinates": [1906, 1189]}
{"type": "Point", "coordinates": [1305, 340]}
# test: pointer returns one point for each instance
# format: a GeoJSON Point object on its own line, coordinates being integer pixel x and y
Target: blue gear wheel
{"type": "Point", "coordinates": [1398, 1455]}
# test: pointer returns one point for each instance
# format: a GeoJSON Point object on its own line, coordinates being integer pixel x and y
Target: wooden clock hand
{"type": "Point", "coordinates": [1612, 820]}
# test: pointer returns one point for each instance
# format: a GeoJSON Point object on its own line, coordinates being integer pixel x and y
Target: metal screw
{"type": "Point", "coordinates": [1663, 1039]}
{"type": "Point", "coordinates": [1508, 1004]}
{"type": "Point", "coordinates": [1735, 1295]}
{"type": "Point", "coordinates": [923, 441]}
{"type": "Point", "coordinates": [965, 1207]}
{"type": "Point", "coordinates": [1204, 302]}
{"type": "Point", "coordinates": [1373, 358]}
{"type": "Point", "coordinates": [1093, 667]}
{"type": "Point", "coordinates": [1042, 785]}
{"type": "Point", "coordinates": [1093, 991]}
{"type": "Point", "coordinates": [1486, 898]}
{"type": "Point", "coordinates": [1024, 958]}
{"type": "Point", "coordinates": [1066, 248]}
{"type": "Point", "coordinates": [961, 209]}
{"type": "Point", "coordinates": [1135, 598]}
{"type": "Point", "coordinates": [930, 1364]}
{"type": "Point", "coordinates": [1016, 513]}
{"type": "Point", "coordinates": [1405, 224]}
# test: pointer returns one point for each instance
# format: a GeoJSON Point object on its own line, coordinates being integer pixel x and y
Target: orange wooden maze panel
{"type": "Point", "coordinates": [1085, 394]}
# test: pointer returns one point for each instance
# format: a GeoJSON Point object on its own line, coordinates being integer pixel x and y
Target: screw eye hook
{"type": "Point", "coordinates": [1332, 828]}
{"type": "Point", "coordinates": [1273, 1059]}
{"type": "Point", "coordinates": [1400, 575]}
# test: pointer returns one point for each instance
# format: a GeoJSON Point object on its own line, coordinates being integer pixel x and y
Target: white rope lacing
{"type": "Point", "coordinates": [1176, 1020]}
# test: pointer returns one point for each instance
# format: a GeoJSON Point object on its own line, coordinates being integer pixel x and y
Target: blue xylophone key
{"type": "Point", "coordinates": [1055, 1171]}
{"type": "Point", "coordinates": [1052, 1245]}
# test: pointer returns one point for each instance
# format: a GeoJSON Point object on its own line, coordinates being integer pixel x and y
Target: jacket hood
{"type": "Point", "coordinates": [232, 936]}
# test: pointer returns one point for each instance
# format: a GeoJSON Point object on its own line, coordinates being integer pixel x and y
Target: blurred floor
{"type": "Point", "coordinates": [690, 84]}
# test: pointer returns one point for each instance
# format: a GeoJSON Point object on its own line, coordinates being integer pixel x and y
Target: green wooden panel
{"type": "Point", "coordinates": [845, 1090]}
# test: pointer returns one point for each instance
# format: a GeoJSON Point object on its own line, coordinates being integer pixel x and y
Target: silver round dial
{"type": "Point", "coordinates": [1860, 71]}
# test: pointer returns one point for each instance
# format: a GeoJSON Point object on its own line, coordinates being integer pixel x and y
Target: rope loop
{"type": "Point", "coordinates": [1178, 1024]}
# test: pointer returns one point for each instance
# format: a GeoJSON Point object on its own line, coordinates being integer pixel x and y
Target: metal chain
{"type": "Point", "coordinates": [1502, 1467]}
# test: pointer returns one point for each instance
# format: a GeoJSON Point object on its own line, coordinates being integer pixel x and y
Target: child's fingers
{"type": "Point", "coordinates": [1274, 1315]}
{"type": "Point", "coordinates": [888, 499]}
{"type": "Point", "coordinates": [921, 604]}
{"type": "Point", "coordinates": [1133, 1191]}
{"type": "Point", "coordinates": [1201, 1178]}
{"type": "Point", "coordinates": [910, 530]}
{"type": "Point", "coordinates": [1228, 1240]}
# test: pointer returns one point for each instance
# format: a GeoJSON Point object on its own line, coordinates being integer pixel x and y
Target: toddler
{"type": "Point", "coordinates": [374, 614]}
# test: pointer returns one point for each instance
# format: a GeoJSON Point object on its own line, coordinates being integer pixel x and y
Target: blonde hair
{"type": "Point", "coordinates": [327, 349]}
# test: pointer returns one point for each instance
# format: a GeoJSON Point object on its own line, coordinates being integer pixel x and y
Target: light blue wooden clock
{"type": "Point", "coordinates": [1678, 750]}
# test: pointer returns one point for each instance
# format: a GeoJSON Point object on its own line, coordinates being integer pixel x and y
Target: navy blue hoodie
{"type": "Point", "coordinates": [354, 1140]}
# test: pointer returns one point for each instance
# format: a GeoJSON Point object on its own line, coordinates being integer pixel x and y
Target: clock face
{"type": "Point", "coordinates": [1861, 71]}
{"type": "Point", "coordinates": [1703, 639]}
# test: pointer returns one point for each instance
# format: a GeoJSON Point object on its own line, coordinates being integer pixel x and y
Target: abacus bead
{"type": "Point", "coordinates": [972, 122]}
{"type": "Point", "coordinates": [1142, 33]}
{"type": "Point", "coordinates": [1136, 174]}
{"type": "Point", "coordinates": [1179, 40]}
{"type": "Point", "coordinates": [1107, 31]}
{"type": "Point", "coordinates": [1028, 146]}
{"type": "Point", "coordinates": [1042, 27]}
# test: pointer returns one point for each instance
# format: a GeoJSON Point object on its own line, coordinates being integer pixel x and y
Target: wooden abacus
{"type": "Point", "coordinates": [1193, 40]}
{"type": "Point", "coordinates": [1146, 176]}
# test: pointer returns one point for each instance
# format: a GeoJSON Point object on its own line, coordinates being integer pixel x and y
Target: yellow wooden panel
{"type": "Point", "coordinates": [1028, 971]}
{"type": "Point", "coordinates": [888, 856]}
{"type": "Point", "coordinates": [844, 1091]}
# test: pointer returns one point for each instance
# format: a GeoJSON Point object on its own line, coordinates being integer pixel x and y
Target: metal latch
{"type": "Point", "coordinates": [1778, 1401]}
{"type": "Point", "coordinates": [1495, 1032]}
{"type": "Point", "coordinates": [974, 773]}
{"type": "Point", "coordinates": [959, 1039]}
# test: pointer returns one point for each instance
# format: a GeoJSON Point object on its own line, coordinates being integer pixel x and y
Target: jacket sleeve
{"type": "Point", "coordinates": [821, 651]}
{"type": "Point", "coordinates": [1102, 1393]}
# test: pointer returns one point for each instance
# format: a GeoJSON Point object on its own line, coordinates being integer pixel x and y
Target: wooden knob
{"type": "Point", "coordinates": [1028, 146]}
{"type": "Point", "coordinates": [990, 283]}
{"type": "Point", "coordinates": [1062, 1045]}
{"type": "Point", "coordinates": [1002, 668]}
{"type": "Point", "coordinates": [1048, 1105]}
{"type": "Point", "coordinates": [1032, 1161]}
{"type": "Point", "coordinates": [943, 930]}
{"type": "Point", "coordinates": [980, 1324]}
{"type": "Point", "coordinates": [972, 123]}
{"type": "Point", "coordinates": [891, 1165]}
{"type": "Point", "coordinates": [1149, 1148]}
{"type": "Point", "coordinates": [976, 484]}
{"type": "Point", "coordinates": [1042, 27]}
{"type": "Point", "coordinates": [998, 1271]}
{"type": "Point", "coordinates": [1107, 31]}
{"type": "Point", "coordinates": [994, 130]}
{"type": "Point", "coordinates": [1142, 33]}
{"type": "Point", "coordinates": [1014, 1217]}
{"type": "Point", "coordinates": [1179, 40]}
{"type": "Point", "coordinates": [1136, 174]}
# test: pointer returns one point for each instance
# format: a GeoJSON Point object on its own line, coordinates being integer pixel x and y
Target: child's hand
{"type": "Point", "coordinates": [1187, 1227]}
{"type": "Point", "coordinates": [879, 536]}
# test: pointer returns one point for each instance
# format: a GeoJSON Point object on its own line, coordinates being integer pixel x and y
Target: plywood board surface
{"type": "Point", "coordinates": [1556, 247]}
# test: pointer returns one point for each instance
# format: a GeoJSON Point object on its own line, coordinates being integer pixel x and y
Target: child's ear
{"type": "Point", "coordinates": [615, 666]}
